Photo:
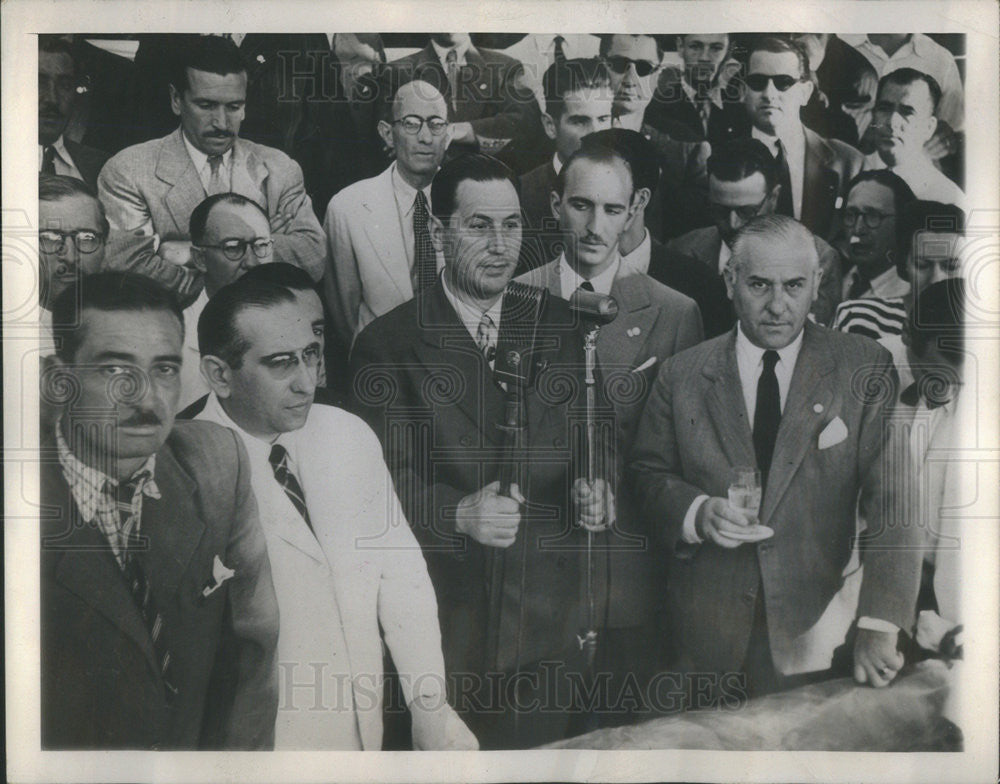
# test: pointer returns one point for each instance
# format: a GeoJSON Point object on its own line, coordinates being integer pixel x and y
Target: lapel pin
{"type": "Point", "coordinates": [633, 332]}
{"type": "Point", "coordinates": [260, 58]}
{"type": "Point", "coordinates": [482, 86]}
{"type": "Point", "coordinates": [818, 408]}
{"type": "Point", "coordinates": [220, 573]}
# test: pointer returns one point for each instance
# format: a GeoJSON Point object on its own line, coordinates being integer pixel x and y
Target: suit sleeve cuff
{"type": "Point", "coordinates": [877, 625]}
{"type": "Point", "coordinates": [689, 532]}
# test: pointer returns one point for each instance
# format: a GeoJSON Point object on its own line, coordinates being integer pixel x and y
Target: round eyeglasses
{"type": "Point", "coordinates": [412, 123]}
{"type": "Point", "coordinates": [85, 240]}
{"type": "Point", "coordinates": [234, 250]}
{"type": "Point", "coordinates": [872, 218]}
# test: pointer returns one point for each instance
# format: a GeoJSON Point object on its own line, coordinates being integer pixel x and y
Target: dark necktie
{"type": "Point", "coordinates": [49, 160]}
{"type": "Point", "coordinates": [586, 286]}
{"type": "Point", "coordinates": [560, 53]}
{"type": "Point", "coordinates": [784, 206]}
{"type": "Point", "coordinates": [451, 60]}
{"type": "Point", "coordinates": [215, 183]}
{"type": "Point", "coordinates": [424, 256]}
{"type": "Point", "coordinates": [859, 285]}
{"type": "Point", "coordinates": [138, 585]}
{"type": "Point", "coordinates": [279, 462]}
{"type": "Point", "coordinates": [767, 414]}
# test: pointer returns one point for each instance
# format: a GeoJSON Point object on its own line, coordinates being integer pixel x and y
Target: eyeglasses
{"type": "Point", "coordinates": [412, 123]}
{"type": "Point", "coordinates": [620, 65]}
{"type": "Point", "coordinates": [744, 211]}
{"type": "Point", "coordinates": [758, 82]}
{"type": "Point", "coordinates": [85, 240]}
{"type": "Point", "coordinates": [234, 250]}
{"type": "Point", "coordinates": [872, 218]}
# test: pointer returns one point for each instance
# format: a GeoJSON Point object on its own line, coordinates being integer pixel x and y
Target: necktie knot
{"type": "Point", "coordinates": [49, 160]}
{"type": "Point", "coordinates": [586, 286]}
{"type": "Point", "coordinates": [770, 360]}
{"type": "Point", "coordinates": [485, 339]}
{"type": "Point", "coordinates": [278, 456]}
{"type": "Point", "coordinates": [559, 52]}
{"type": "Point", "coordinates": [214, 162]}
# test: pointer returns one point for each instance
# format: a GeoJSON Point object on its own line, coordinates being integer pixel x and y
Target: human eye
{"type": "Point", "coordinates": [758, 286]}
{"type": "Point", "coordinates": [512, 224]}
{"type": "Point", "coordinates": [167, 370]}
{"type": "Point", "coordinates": [479, 224]}
{"type": "Point", "coordinates": [235, 106]}
{"type": "Point", "coordinates": [310, 355]}
{"type": "Point", "coordinates": [794, 286]}
{"type": "Point", "coordinates": [206, 105]}
{"type": "Point", "coordinates": [109, 371]}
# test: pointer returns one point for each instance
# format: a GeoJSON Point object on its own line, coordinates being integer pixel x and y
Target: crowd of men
{"type": "Point", "coordinates": [398, 404]}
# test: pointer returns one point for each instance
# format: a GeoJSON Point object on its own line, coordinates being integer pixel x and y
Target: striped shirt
{"type": "Point", "coordinates": [874, 317]}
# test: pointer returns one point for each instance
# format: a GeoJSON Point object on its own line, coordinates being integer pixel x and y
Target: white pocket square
{"type": "Point", "coordinates": [833, 433]}
{"type": "Point", "coordinates": [648, 363]}
{"type": "Point", "coordinates": [220, 573]}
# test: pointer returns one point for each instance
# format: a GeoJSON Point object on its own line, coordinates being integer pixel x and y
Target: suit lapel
{"type": "Point", "coordinates": [819, 193]}
{"type": "Point", "coordinates": [726, 406]}
{"type": "Point", "coordinates": [615, 346]}
{"type": "Point", "coordinates": [799, 420]}
{"type": "Point", "coordinates": [386, 235]}
{"type": "Point", "coordinates": [249, 174]}
{"type": "Point", "coordinates": [174, 167]}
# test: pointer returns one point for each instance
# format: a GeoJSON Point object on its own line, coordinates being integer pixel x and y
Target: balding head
{"type": "Point", "coordinates": [414, 131]}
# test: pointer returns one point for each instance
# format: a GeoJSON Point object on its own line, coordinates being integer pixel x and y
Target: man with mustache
{"type": "Point", "coordinates": [152, 188]}
{"type": "Point", "coordinates": [159, 621]}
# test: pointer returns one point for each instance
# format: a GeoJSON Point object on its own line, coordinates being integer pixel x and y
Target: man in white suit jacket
{"type": "Point", "coordinates": [343, 557]}
{"type": "Point", "coordinates": [373, 227]}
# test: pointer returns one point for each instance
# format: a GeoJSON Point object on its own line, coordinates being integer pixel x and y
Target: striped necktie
{"type": "Point", "coordinates": [486, 337]}
{"type": "Point", "coordinates": [560, 52]}
{"type": "Point", "coordinates": [424, 255]}
{"type": "Point", "coordinates": [138, 583]}
{"type": "Point", "coordinates": [279, 463]}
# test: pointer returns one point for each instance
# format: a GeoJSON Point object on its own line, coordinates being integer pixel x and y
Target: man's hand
{"type": "Point", "coordinates": [436, 726]}
{"type": "Point", "coordinates": [462, 133]}
{"type": "Point", "coordinates": [594, 504]}
{"type": "Point", "coordinates": [717, 515]}
{"type": "Point", "coordinates": [490, 518]}
{"type": "Point", "coordinates": [279, 221]}
{"type": "Point", "coordinates": [943, 143]}
{"type": "Point", "coordinates": [175, 251]}
{"type": "Point", "coordinates": [876, 658]}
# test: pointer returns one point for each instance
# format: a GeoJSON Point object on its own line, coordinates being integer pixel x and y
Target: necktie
{"type": "Point", "coordinates": [767, 414]}
{"type": "Point", "coordinates": [859, 285]}
{"type": "Point", "coordinates": [451, 59]}
{"type": "Point", "coordinates": [586, 286]}
{"type": "Point", "coordinates": [560, 53]}
{"type": "Point", "coordinates": [215, 184]}
{"type": "Point", "coordinates": [704, 112]}
{"type": "Point", "coordinates": [49, 160]}
{"type": "Point", "coordinates": [424, 256]}
{"type": "Point", "coordinates": [138, 585]}
{"type": "Point", "coordinates": [279, 463]}
{"type": "Point", "coordinates": [784, 206]}
{"type": "Point", "coordinates": [486, 337]}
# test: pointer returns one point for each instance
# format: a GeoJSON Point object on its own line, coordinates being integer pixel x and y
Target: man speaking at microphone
{"type": "Point", "coordinates": [507, 569]}
{"type": "Point", "coordinates": [595, 200]}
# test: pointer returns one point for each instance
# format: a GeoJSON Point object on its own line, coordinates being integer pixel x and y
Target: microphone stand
{"type": "Point", "coordinates": [588, 641]}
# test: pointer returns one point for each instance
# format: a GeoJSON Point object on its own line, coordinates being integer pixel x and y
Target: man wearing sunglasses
{"type": "Point", "coordinates": [379, 250]}
{"type": "Point", "coordinates": [813, 171]}
{"type": "Point", "coordinates": [634, 62]}
{"type": "Point", "coordinates": [229, 235]}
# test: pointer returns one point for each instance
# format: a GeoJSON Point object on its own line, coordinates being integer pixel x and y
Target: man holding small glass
{"type": "Point", "coordinates": [805, 408]}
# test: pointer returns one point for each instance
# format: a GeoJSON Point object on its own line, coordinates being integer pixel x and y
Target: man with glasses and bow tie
{"type": "Point", "coordinates": [813, 171]}
{"type": "Point", "coordinates": [345, 563]}
{"type": "Point", "coordinates": [152, 188]}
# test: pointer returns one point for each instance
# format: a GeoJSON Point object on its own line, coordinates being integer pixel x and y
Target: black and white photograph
{"type": "Point", "coordinates": [605, 395]}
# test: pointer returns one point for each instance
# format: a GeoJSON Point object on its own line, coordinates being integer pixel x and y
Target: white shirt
{"type": "Point", "coordinates": [638, 260]}
{"type": "Point", "coordinates": [557, 164]}
{"type": "Point", "coordinates": [749, 364]}
{"type": "Point", "coordinates": [471, 316]}
{"type": "Point", "coordinates": [201, 165]}
{"type": "Point", "coordinates": [570, 280]}
{"type": "Point", "coordinates": [886, 285]}
{"type": "Point", "coordinates": [795, 153]}
{"type": "Point", "coordinates": [62, 162]}
{"type": "Point", "coordinates": [925, 180]}
{"type": "Point", "coordinates": [923, 54]}
{"type": "Point", "coordinates": [193, 384]}
{"type": "Point", "coordinates": [460, 50]}
{"type": "Point", "coordinates": [725, 254]}
{"type": "Point", "coordinates": [406, 199]}
{"type": "Point", "coordinates": [537, 52]}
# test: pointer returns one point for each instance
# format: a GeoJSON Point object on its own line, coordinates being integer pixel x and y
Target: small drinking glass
{"type": "Point", "coordinates": [744, 490]}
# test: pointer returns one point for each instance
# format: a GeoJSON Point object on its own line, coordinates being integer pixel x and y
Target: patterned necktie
{"type": "Point", "coordinates": [451, 60]}
{"type": "Point", "coordinates": [560, 53]}
{"type": "Point", "coordinates": [49, 160]}
{"type": "Point", "coordinates": [785, 206]}
{"type": "Point", "coordinates": [138, 583]}
{"type": "Point", "coordinates": [215, 184]}
{"type": "Point", "coordinates": [424, 256]}
{"type": "Point", "coordinates": [767, 414]}
{"type": "Point", "coordinates": [279, 462]}
{"type": "Point", "coordinates": [859, 285]}
{"type": "Point", "coordinates": [486, 338]}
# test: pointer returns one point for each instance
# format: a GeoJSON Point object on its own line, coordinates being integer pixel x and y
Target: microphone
{"type": "Point", "coordinates": [593, 307]}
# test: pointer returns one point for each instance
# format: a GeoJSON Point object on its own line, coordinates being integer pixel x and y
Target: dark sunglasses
{"type": "Point", "coordinates": [758, 82]}
{"type": "Point", "coordinates": [620, 65]}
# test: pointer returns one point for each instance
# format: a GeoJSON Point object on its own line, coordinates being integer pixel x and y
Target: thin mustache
{"type": "Point", "coordinates": [141, 419]}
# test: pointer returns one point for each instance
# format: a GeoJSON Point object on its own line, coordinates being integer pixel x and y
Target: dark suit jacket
{"type": "Point", "coordinates": [654, 322]}
{"type": "Point", "coordinates": [425, 388]}
{"type": "Point", "coordinates": [681, 199]}
{"type": "Point", "coordinates": [671, 104]}
{"type": "Point", "coordinates": [492, 95]}
{"type": "Point", "coordinates": [829, 166]}
{"type": "Point", "coordinates": [542, 240]}
{"type": "Point", "coordinates": [695, 427]}
{"type": "Point", "coordinates": [704, 244]}
{"type": "Point", "coordinates": [100, 682]}
{"type": "Point", "coordinates": [692, 278]}
{"type": "Point", "coordinates": [87, 159]}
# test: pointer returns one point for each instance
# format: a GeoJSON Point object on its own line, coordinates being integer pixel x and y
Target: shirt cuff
{"type": "Point", "coordinates": [689, 532]}
{"type": "Point", "coordinates": [877, 625]}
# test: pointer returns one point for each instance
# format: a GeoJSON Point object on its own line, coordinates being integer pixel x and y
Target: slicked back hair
{"type": "Point", "coordinates": [773, 230]}
{"type": "Point", "coordinates": [908, 76]}
{"type": "Point", "coordinates": [200, 216]}
{"type": "Point", "coordinates": [737, 159]}
{"type": "Point", "coordinates": [924, 216]}
{"type": "Point", "coordinates": [780, 46]}
{"type": "Point", "coordinates": [635, 149]}
{"type": "Point", "coordinates": [56, 187]}
{"type": "Point", "coordinates": [572, 76]}
{"type": "Point", "coordinates": [477, 167]}
{"type": "Point", "coordinates": [209, 53]}
{"type": "Point", "coordinates": [595, 154]}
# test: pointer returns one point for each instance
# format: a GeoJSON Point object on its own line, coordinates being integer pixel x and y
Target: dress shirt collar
{"type": "Point", "coordinates": [259, 449]}
{"type": "Point", "coordinates": [906, 50]}
{"type": "Point", "coordinates": [87, 484]}
{"type": "Point", "coordinates": [714, 93]}
{"type": "Point", "coordinates": [725, 254]}
{"type": "Point", "coordinates": [460, 52]}
{"type": "Point", "coordinates": [59, 145]}
{"type": "Point", "coordinates": [570, 280]}
{"type": "Point", "coordinates": [406, 194]}
{"type": "Point", "coordinates": [794, 141]}
{"type": "Point", "coordinates": [638, 259]}
{"type": "Point", "coordinates": [200, 159]}
{"type": "Point", "coordinates": [889, 285]}
{"type": "Point", "coordinates": [556, 163]}
{"type": "Point", "coordinates": [470, 315]}
{"type": "Point", "coordinates": [750, 359]}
